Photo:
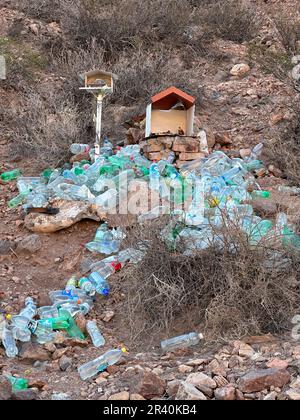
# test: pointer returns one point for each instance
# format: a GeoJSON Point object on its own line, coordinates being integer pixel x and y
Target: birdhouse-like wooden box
{"type": "Point", "coordinates": [98, 80]}
{"type": "Point", "coordinates": [170, 112]}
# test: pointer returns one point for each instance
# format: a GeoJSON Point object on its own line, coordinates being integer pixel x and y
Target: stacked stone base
{"type": "Point", "coordinates": [186, 148]}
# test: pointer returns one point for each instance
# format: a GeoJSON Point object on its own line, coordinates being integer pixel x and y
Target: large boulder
{"type": "Point", "coordinates": [70, 212]}
{"type": "Point", "coordinates": [259, 380]}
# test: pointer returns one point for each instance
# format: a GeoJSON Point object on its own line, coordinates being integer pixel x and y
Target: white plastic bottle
{"type": "Point", "coordinates": [96, 336]}
{"type": "Point", "coordinates": [95, 366]}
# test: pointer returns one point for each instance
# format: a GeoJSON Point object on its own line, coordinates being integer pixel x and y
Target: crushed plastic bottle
{"type": "Point", "coordinates": [96, 336]}
{"type": "Point", "coordinates": [90, 369]}
{"type": "Point", "coordinates": [181, 341]}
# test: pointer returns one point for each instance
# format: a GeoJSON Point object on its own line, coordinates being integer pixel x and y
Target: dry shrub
{"type": "Point", "coordinates": [47, 125]}
{"type": "Point", "coordinates": [284, 151]}
{"type": "Point", "coordinates": [231, 20]}
{"type": "Point", "coordinates": [289, 30]}
{"type": "Point", "coordinates": [127, 25]}
{"type": "Point", "coordinates": [277, 63]}
{"type": "Point", "coordinates": [49, 10]}
{"type": "Point", "coordinates": [225, 294]}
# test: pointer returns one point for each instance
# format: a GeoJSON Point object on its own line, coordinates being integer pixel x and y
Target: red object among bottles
{"type": "Point", "coordinates": [116, 265]}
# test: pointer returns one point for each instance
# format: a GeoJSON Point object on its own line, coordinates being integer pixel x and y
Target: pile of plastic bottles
{"type": "Point", "coordinates": [213, 192]}
{"type": "Point", "coordinates": [78, 297]}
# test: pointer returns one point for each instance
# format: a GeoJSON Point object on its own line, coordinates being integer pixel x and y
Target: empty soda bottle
{"type": "Point", "coordinates": [60, 323]}
{"type": "Point", "coordinates": [95, 366]}
{"type": "Point", "coordinates": [73, 330]}
{"type": "Point", "coordinates": [18, 200]}
{"type": "Point", "coordinates": [9, 342]}
{"type": "Point", "coordinates": [96, 336]}
{"type": "Point", "coordinates": [11, 175]}
{"type": "Point", "coordinates": [260, 194]}
{"type": "Point", "coordinates": [71, 284]}
{"type": "Point", "coordinates": [18, 383]}
{"type": "Point", "coordinates": [182, 341]}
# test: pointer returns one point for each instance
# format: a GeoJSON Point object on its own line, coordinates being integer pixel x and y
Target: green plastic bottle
{"type": "Point", "coordinates": [79, 171]}
{"type": "Point", "coordinates": [18, 200]}
{"type": "Point", "coordinates": [73, 330]}
{"type": "Point", "coordinates": [47, 173]}
{"type": "Point", "coordinates": [142, 171]}
{"type": "Point", "coordinates": [60, 323]}
{"type": "Point", "coordinates": [121, 162]}
{"type": "Point", "coordinates": [84, 162]}
{"type": "Point", "coordinates": [108, 170]}
{"type": "Point", "coordinates": [171, 172]}
{"type": "Point", "coordinates": [18, 383]}
{"type": "Point", "coordinates": [11, 175]}
{"type": "Point", "coordinates": [260, 194]}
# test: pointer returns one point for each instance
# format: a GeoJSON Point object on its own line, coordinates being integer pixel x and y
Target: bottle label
{"type": "Point", "coordinates": [102, 367]}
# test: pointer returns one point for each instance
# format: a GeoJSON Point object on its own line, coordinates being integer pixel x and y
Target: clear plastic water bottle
{"type": "Point", "coordinates": [181, 341]}
{"type": "Point", "coordinates": [141, 161]}
{"type": "Point", "coordinates": [76, 148]}
{"type": "Point", "coordinates": [96, 336]}
{"type": "Point", "coordinates": [87, 285]}
{"type": "Point", "coordinates": [9, 342]}
{"type": "Point", "coordinates": [108, 199]}
{"type": "Point", "coordinates": [256, 152]}
{"type": "Point", "coordinates": [47, 312]}
{"type": "Point", "coordinates": [44, 334]}
{"type": "Point", "coordinates": [171, 157]}
{"type": "Point", "coordinates": [19, 328]}
{"type": "Point", "coordinates": [154, 177]}
{"type": "Point", "coordinates": [102, 287]}
{"type": "Point", "coordinates": [90, 369]}
{"type": "Point", "coordinates": [132, 255]}
{"type": "Point", "coordinates": [109, 269]}
{"type": "Point", "coordinates": [29, 311]}
{"type": "Point", "coordinates": [74, 309]}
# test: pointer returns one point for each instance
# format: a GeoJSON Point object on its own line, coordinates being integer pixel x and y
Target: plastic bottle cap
{"type": "Point", "coordinates": [123, 350]}
{"type": "Point", "coordinates": [8, 316]}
